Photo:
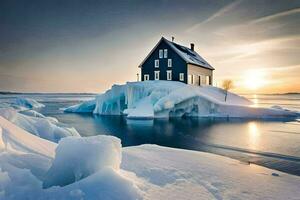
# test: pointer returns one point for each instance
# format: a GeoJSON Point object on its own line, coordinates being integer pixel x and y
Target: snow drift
{"type": "Point", "coordinates": [162, 99]}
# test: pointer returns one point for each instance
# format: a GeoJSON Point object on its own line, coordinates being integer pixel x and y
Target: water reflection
{"type": "Point", "coordinates": [254, 135]}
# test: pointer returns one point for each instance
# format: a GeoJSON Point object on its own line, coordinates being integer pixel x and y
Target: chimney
{"type": "Point", "coordinates": [192, 46]}
{"type": "Point", "coordinates": [173, 39]}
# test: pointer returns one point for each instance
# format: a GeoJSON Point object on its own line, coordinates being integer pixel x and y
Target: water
{"type": "Point", "coordinates": [274, 144]}
{"type": "Point", "coordinates": [289, 101]}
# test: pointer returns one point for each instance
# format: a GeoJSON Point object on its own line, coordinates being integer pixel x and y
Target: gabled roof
{"type": "Point", "coordinates": [191, 57]}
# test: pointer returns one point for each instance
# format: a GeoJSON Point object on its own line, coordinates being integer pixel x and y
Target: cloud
{"type": "Point", "coordinates": [275, 16]}
{"type": "Point", "coordinates": [284, 68]}
{"type": "Point", "coordinates": [219, 13]}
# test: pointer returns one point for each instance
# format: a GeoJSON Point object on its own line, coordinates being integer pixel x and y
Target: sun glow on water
{"type": "Point", "coordinates": [254, 135]}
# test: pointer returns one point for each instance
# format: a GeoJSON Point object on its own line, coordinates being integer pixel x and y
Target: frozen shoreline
{"type": "Point", "coordinates": [138, 172]}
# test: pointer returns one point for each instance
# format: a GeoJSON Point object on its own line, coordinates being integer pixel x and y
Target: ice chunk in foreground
{"type": "Point", "coordinates": [24, 160]}
{"type": "Point", "coordinates": [163, 99]}
{"type": "Point", "coordinates": [14, 138]}
{"type": "Point", "coordinates": [84, 157]}
{"type": "Point", "coordinates": [43, 127]}
{"type": "Point", "coordinates": [28, 103]}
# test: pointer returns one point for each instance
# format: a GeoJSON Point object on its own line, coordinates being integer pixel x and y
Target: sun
{"type": "Point", "coordinates": [254, 79]}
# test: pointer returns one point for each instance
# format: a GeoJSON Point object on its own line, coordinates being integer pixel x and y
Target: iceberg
{"type": "Point", "coordinates": [85, 107]}
{"type": "Point", "coordinates": [164, 99]}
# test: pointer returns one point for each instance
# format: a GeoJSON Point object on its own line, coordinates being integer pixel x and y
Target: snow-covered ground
{"type": "Point", "coordinates": [99, 168]}
{"type": "Point", "coordinates": [163, 99]}
{"type": "Point", "coordinates": [166, 173]}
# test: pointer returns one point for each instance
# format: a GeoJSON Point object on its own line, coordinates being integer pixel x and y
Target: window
{"type": "Point", "coordinates": [181, 76]}
{"type": "Point", "coordinates": [165, 53]}
{"type": "Point", "coordinates": [156, 75]}
{"type": "Point", "coordinates": [161, 53]}
{"type": "Point", "coordinates": [169, 75]}
{"type": "Point", "coordinates": [190, 79]}
{"type": "Point", "coordinates": [156, 63]}
{"type": "Point", "coordinates": [169, 62]}
{"type": "Point", "coordinates": [146, 77]}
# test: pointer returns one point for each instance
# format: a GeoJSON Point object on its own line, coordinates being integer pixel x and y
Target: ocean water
{"type": "Point", "coordinates": [271, 143]}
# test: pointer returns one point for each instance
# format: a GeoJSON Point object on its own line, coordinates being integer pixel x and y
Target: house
{"type": "Point", "coordinates": [174, 62]}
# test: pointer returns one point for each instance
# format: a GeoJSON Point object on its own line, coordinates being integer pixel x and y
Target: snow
{"type": "Point", "coordinates": [98, 168]}
{"type": "Point", "coordinates": [88, 155]}
{"type": "Point", "coordinates": [163, 99]}
{"type": "Point", "coordinates": [36, 123]}
{"type": "Point", "coordinates": [188, 55]}
{"type": "Point", "coordinates": [166, 173]}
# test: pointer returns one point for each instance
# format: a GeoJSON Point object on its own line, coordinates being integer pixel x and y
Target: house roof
{"type": "Point", "coordinates": [191, 57]}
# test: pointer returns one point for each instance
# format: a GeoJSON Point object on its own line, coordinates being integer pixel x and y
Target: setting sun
{"type": "Point", "coordinates": [254, 79]}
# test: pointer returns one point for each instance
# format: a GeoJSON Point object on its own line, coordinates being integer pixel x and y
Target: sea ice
{"type": "Point", "coordinates": [85, 107]}
{"type": "Point", "coordinates": [28, 103]}
{"type": "Point", "coordinates": [36, 123]}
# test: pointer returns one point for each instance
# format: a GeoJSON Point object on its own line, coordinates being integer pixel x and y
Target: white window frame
{"type": "Point", "coordinates": [146, 77]}
{"type": "Point", "coordinates": [165, 53]}
{"type": "Point", "coordinates": [181, 76]}
{"type": "Point", "coordinates": [169, 75]}
{"type": "Point", "coordinates": [190, 79]}
{"type": "Point", "coordinates": [161, 53]}
{"type": "Point", "coordinates": [156, 63]}
{"type": "Point", "coordinates": [156, 75]}
{"type": "Point", "coordinates": [169, 62]}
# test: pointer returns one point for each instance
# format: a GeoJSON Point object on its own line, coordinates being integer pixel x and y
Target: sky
{"type": "Point", "coordinates": [87, 46]}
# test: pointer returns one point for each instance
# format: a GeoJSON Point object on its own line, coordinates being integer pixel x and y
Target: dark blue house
{"type": "Point", "coordinates": [174, 62]}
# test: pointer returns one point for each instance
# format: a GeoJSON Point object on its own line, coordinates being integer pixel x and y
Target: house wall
{"type": "Point", "coordinates": [197, 71]}
{"type": "Point", "coordinates": [178, 64]}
